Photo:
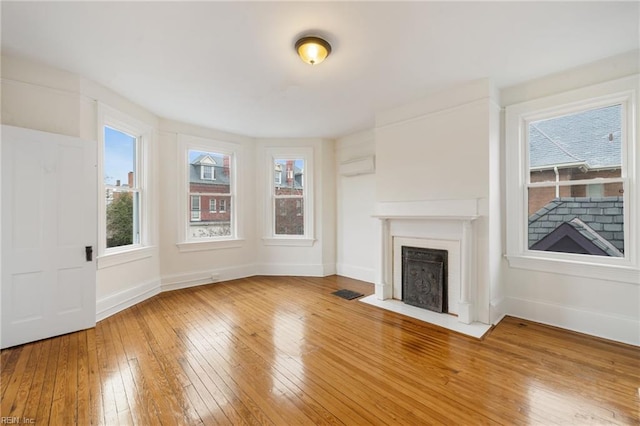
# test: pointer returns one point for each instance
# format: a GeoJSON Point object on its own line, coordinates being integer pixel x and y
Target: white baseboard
{"type": "Point", "coordinates": [617, 328]}
{"type": "Point", "coordinates": [356, 272]}
{"type": "Point", "coordinates": [328, 269]}
{"type": "Point", "coordinates": [286, 269]}
{"type": "Point", "coordinates": [114, 303]}
{"type": "Point", "coordinates": [192, 279]}
{"type": "Point", "coordinates": [497, 310]}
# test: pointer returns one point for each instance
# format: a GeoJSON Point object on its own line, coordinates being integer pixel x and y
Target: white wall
{"type": "Point", "coordinates": [446, 147]}
{"type": "Point", "coordinates": [318, 259]}
{"type": "Point", "coordinates": [187, 268]}
{"type": "Point", "coordinates": [452, 134]}
{"type": "Point", "coordinates": [42, 98]}
{"type": "Point", "coordinates": [437, 148]}
{"type": "Point", "coordinates": [356, 229]}
{"type": "Point", "coordinates": [600, 307]}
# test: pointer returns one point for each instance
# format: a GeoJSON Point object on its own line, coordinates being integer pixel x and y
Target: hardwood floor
{"type": "Point", "coordinates": [284, 351]}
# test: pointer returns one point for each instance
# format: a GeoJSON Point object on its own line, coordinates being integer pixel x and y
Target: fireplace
{"type": "Point", "coordinates": [424, 278]}
{"type": "Point", "coordinates": [449, 225]}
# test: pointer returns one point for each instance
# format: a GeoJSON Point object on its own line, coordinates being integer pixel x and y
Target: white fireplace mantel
{"type": "Point", "coordinates": [450, 220]}
{"type": "Point", "coordinates": [463, 209]}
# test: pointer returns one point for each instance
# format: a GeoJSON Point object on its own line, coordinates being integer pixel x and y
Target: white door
{"type": "Point", "coordinates": [48, 228]}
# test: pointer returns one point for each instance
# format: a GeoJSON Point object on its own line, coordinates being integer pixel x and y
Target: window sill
{"type": "Point", "coordinates": [292, 242]}
{"type": "Point", "coordinates": [621, 273]}
{"type": "Point", "coordinates": [191, 246]}
{"type": "Point", "coordinates": [119, 258]}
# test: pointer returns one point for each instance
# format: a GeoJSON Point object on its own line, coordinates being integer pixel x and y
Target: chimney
{"type": "Point", "coordinates": [289, 172]}
{"type": "Point", "coordinates": [130, 179]}
{"type": "Point", "coordinates": [226, 160]}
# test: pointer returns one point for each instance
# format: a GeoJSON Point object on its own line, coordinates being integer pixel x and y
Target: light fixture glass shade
{"type": "Point", "coordinates": [313, 50]}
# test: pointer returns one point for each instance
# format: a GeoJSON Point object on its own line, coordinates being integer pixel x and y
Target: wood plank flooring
{"type": "Point", "coordinates": [285, 351]}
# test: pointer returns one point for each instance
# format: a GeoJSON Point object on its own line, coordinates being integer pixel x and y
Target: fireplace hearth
{"type": "Point", "coordinates": [424, 278]}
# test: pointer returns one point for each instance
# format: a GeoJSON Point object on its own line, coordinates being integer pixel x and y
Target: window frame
{"type": "Point", "coordinates": [119, 121]}
{"type": "Point", "coordinates": [289, 153]}
{"type": "Point", "coordinates": [203, 176]}
{"type": "Point", "coordinates": [198, 209]}
{"type": "Point", "coordinates": [188, 143]}
{"type": "Point", "coordinates": [517, 117]}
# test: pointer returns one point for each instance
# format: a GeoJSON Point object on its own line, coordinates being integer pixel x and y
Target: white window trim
{"type": "Point", "coordinates": [199, 209]}
{"type": "Point", "coordinates": [108, 257]}
{"type": "Point", "coordinates": [625, 269]}
{"type": "Point", "coordinates": [206, 245]}
{"type": "Point", "coordinates": [213, 172]}
{"type": "Point", "coordinates": [289, 153]}
{"type": "Point", "coordinates": [187, 143]}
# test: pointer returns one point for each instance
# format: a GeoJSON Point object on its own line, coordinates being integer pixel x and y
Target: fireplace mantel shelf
{"type": "Point", "coordinates": [464, 210]}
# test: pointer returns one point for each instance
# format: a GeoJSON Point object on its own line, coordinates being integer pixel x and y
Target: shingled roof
{"type": "Point", "coordinates": [599, 221]}
{"type": "Point", "coordinates": [591, 138]}
{"type": "Point", "coordinates": [222, 178]}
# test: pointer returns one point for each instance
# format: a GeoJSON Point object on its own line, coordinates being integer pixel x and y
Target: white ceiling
{"type": "Point", "coordinates": [232, 66]}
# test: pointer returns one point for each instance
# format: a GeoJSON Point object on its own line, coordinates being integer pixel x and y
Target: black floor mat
{"type": "Point", "coordinates": [347, 294]}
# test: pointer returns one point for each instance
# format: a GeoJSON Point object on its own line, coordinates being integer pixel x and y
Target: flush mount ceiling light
{"type": "Point", "coordinates": [313, 50]}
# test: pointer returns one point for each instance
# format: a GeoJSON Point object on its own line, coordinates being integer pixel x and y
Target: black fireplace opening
{"type": "Point", "coordinates": [424, 278]}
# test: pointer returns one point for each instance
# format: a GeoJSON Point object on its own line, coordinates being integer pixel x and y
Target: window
{"type": "Point", "coordinates": [287, 196]}
{"type": "Point", "coordinates": [575, 186]}
{"type": "Point", "coordinates": [195, 208]}
{"type": "Point", "coordinates": [210, 178]}
{"type": "Point", "coordinates": [571, 184]}
{"type": "Point", "coordinates": [122, 189]}
{"type": "Point", "coordinates": [288, 219]}
{"type": "Point", "coordinates": [123, 213]}
{"type": "Point", "coordinates": [207, 172]}
{"type": "Point", "coordinates": [209, 169]}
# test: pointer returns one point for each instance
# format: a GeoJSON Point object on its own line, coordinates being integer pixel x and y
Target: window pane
{"type": "Point", "coordinates": [289, 216]}
{"type": "Point", "coordinates": [195, 202]}
{"type": "Point", "coordinates": [289, 193]}
{"type": "Point", "coordinates": [584, 219]}
{"type": "Point", "coordinates": [195, 208]}
{"type": "Point", "coordinates": [585, 145]}
{"type": "Point", "coordinates": [207, 173]}
{"type": "Point", "coordinates": [122, 200]}
{"type": "Point", "coordinates": [119, 158]}
{"type": "Point", "coordinates": [210, 180]}
{"type": "Point", "coordinates": [289, 177]}
{"type": "Point", "coordinates": [122, 215]}
{"type": "Point", "coordinates": [577, 223]}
